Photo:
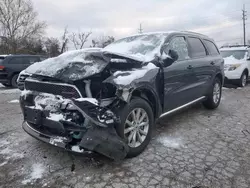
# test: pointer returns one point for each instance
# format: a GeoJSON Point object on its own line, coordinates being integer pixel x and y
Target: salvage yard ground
{"type": "Point", "coordinates": [194, 148]}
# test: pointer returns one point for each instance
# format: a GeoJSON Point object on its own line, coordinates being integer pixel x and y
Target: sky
{"type": "Point", "coordinates": [219, 19]}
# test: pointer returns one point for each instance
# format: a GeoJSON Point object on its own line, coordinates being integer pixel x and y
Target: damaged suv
{"type": "Point", "coordinates": [107, 100]}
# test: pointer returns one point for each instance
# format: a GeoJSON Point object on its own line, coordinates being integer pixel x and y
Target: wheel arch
{"type": "Point", "coordinates": [150, 96]}
{"type": "Point", "coordinates": [220, 76]}
{"type": "Point", "coordinates": [247, 71]}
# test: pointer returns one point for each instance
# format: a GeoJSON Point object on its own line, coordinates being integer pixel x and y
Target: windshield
{"type": "Point", "coordinates": [237, 54]}
{"type": "Point", "coordinates": [143, 47]}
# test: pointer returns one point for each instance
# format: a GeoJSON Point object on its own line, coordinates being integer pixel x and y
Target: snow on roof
{"type": "Point", "coordinates": [153, 33]}
{"type": "Point", "coordinates": [235, 48]}
{"type": "Point", "coordinates": [143, 47]}
{"type": "Point", "coordinates": [3, 55]}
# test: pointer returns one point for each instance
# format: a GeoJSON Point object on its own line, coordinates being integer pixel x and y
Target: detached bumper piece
{"type": "Point", "coordinates": [99, 136]}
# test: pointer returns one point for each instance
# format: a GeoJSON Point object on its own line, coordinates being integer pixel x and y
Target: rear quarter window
{"type": "Point", "coordinates": [212, 49]}
{"type": "Point", "coordinates": [196, 48]}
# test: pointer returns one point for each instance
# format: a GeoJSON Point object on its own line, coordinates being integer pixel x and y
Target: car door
{"type": "Point", "coordinates": [202, 65]}
{"type": "Point", "coordinates": [178, 77]}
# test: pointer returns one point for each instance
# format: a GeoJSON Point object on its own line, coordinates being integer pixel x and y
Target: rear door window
{"type": "Point", "coordinates": [212, 49]}
{"type": "Point", "coordinates": [197, 49]}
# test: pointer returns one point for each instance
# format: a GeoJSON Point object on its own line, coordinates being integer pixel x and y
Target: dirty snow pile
{"type": "Point", "coordinates": [37, 173]}
{"type": "Point", "coordinates": [14, 101]}
{"type": "Point", "coordinates": [126, 77]}
{"type": "Point", "coordinates": [140, 47]}
{"type": "Point", "coordinates": [9, 91]}
{"type": "Point", "coordinates": [170, 142]}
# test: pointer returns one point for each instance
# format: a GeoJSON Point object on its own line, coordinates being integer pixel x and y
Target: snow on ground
{"type": "Point", "coordinates": [9, 91]}
{"type": "Point", "coordinates": [4, 163]}
{"type": "Point", "coordinates": [10, 154]}
{"type": "Point", "coordinates": [126, 77]}
{"type": "Point", "coordinates": [36, 173]}
{"type": "Point", "coordinates": [14, 101]}
{"type": "Point", "coordinates": [170, 142]}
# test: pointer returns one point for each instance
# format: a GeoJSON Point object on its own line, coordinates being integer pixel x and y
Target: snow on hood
{"type": "Point", "coordinates": [139, 47]}
{"type": "Point", "coordinates": [127, 77]}
{"type": "Point", "coordinates": [232, 60]}
{"type": "Point", "coordinates": [72, 65]}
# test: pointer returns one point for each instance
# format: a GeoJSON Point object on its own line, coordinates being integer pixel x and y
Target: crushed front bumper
{"type": "Point", "coordinates": [99, 140]}
{"type": "Point", "coordinates": [99, 136]}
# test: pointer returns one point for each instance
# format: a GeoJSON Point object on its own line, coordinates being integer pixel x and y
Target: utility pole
{"type": "Point", "coordinates": [140, 29]}
{"type": "Point", "coordinates": [244, 14]}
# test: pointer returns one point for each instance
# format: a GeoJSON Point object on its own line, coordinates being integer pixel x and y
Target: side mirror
{"type": "Point", "coordinates": [170, 58]}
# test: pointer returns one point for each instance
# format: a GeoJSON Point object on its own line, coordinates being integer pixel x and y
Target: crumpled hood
{"type": "Point", "coordinates": [75, 65]}
{"type": "Point", "coordinates": [72, 65]}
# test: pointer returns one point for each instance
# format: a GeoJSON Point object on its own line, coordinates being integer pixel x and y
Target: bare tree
{"type": "Point", "coordinates": [79, 39]}
{"type": "Point", "coordinates": [102, 41]}
{"type": "Point", "coordinates": [18, 23]}
{"type": "Point", "coordinates": [52, 46]}
{"type": "Point", "coordinates": [65, 40]}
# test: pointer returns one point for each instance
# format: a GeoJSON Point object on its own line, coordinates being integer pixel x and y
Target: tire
{"type": "Point", "coordinates": [243, 79]}
{"type": "Point", "coordinates": [214, 97]}
{"type": "Point", "coordinates": [126, 114]}
{"type": "Point", "coordinates": [14, 81]}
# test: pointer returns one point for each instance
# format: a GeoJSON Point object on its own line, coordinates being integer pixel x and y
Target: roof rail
{"type": "Point", "coordinates": [191, 32]}
{"type": "Point", "coordinates": [233, 46]}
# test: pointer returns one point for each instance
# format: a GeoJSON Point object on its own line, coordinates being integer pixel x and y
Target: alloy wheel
{"type": "Point", "coordinates": [136, 127]}
{"type": "Point", "coordinates": [244, 80]}
{"type": "Point", "coordinates": [216, 93]}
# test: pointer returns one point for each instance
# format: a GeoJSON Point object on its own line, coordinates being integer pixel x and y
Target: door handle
{"type": "Point", "coordinates": [212, 63]}
{"type": "Point", "coordinates": [189, 67]}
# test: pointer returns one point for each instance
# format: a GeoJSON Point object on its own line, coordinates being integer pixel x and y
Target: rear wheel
{"type": "Point", "coordinates": [214, 97]}
{"type": "Point", "coordinates": [137, 121]}
{"type": "Point", "coordinates": [14, 80]}
{"type": "Point", "coordinates": [243, 80]}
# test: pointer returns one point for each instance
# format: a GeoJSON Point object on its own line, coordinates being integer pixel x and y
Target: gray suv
{"type": "Point", "coordinates": [12, 65]}
{"type": "Point", "coordinates": [107, 100]}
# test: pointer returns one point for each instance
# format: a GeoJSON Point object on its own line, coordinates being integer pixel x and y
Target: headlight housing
{"type": "Point", "coordinates": [231, 67]}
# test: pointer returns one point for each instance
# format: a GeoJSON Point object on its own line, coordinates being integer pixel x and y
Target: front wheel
{"type": "Point", "coordinates": [214, 97]}
{"type": "Point", "coordinates": [137, 121]}
{"type": "Point", "coordinates": [243, 80]}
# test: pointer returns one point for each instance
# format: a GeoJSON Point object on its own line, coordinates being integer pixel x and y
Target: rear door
{"type": "Point", "coordinates": [179, 77]}
{"type": "Point", "coordinates": [202, 65]}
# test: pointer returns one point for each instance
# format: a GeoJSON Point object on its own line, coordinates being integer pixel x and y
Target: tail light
{"type": "Point", "coordinates": [1, 67]}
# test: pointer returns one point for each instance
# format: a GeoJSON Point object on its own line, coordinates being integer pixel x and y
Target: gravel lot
{"type": "Point", "coordinates": [195, 148]}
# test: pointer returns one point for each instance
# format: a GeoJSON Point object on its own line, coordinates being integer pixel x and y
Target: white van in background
{"type": "Point", "coordinates": [237, 64]}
